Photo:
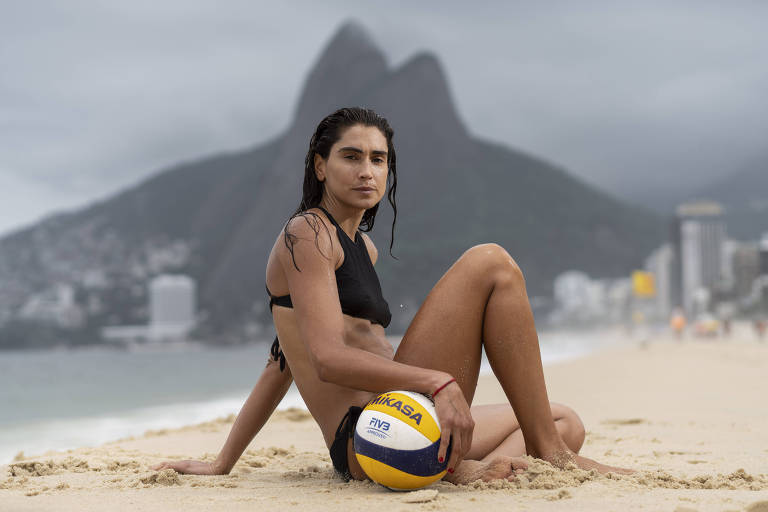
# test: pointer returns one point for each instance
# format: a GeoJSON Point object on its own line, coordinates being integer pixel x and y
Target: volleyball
{"type": "Point", "coordinates": [396, 441]}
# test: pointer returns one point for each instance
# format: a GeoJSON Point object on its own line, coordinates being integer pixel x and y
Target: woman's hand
{"type": "Point", "coordinates": [189, 467]}
{"type": "Point", "coordinates": [456, 424]}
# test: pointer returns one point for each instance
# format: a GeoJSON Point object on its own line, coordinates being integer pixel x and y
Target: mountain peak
{"type": "Point", "coordinates": [351, 33]}
{"type": "Point", "coordinates": [416, 97]}
{"type": "Point", "coordinates": [349, 61]}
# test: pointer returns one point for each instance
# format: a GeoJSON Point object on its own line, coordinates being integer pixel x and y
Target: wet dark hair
{"type": "Point", "coordinates": [328, 132]}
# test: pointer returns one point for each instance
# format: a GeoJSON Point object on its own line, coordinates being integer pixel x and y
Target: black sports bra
{"type": "Point", "coordinates": [359, 288]}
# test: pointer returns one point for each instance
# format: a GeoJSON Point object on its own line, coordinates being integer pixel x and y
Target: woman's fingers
{"type": "Point", "coordinates": [456, 453]}
{"type": "Point", "coordinates": [192, 467]}
{"type": "Point", "coordinates": [464, 434]}
{"type": "Point", "coordinates": [456, 425]}
{"type": "Point", "coordinates": [466, 441]}
{"type": "Point", "coordinates": [445, 440]}
{"type": "Point", "coordinates": [463, 427]}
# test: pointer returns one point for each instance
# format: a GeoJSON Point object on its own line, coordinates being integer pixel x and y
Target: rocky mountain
{"type": "Point", "coordinates": [216, 219]}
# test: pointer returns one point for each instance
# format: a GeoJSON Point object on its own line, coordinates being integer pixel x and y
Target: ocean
{"type": "Point", "coordinates": [66, 398]}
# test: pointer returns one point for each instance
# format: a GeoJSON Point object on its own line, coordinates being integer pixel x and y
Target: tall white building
{"type": "Point", "coordinates": [699, 249]}
{"type": "Point", "coordinates": [172, 306]}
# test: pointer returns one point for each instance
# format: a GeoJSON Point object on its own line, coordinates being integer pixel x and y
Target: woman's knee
{"type": "Point", "coordinates": [493, 260]}
{"type": "Point", "coordinates": [572, 429]}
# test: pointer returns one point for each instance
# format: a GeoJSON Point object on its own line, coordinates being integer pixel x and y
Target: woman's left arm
{"type": "Point", "coordinates": [261, 403]}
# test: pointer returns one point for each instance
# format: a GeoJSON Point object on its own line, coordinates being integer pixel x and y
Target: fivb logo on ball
{"type": "Point", "coordinates": [397, 439]}
{"type": "Point", "coordinates": [378, 428]}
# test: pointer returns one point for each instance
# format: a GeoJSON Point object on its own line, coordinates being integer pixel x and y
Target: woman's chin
{"type": "Point", "coordinates": [365, 204]}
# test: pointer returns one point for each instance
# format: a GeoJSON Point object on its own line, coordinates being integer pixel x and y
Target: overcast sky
{"type": "Point", "coordinates": [96, 95]}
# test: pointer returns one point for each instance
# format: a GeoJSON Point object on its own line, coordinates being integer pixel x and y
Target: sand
{"type": "Point", "coordinates": [691, 417]}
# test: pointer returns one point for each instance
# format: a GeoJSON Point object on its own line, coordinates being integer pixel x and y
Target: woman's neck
{"type": "Point", "coordinates": [348, 218]}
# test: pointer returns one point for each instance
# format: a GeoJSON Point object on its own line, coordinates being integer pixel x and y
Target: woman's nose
{"type": "Point", "coordinates": [366, 170]}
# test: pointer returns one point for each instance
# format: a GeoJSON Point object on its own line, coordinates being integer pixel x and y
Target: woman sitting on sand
{"type": "Point", "coordinates": [330, 317]}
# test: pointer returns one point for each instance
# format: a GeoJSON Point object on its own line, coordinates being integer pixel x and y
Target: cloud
{"type": "Point", "coordinates": [96, 96]}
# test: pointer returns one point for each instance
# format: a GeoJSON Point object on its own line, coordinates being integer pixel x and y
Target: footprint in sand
{"type": "Point", "coordinates": [629, 421]}
{"type": "Point", "coordinates": [758, 506]}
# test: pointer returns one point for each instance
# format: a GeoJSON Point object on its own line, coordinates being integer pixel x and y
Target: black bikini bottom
{"type": "Point", "coordinates": [344, 432]}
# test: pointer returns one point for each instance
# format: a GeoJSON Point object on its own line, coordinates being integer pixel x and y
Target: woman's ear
{"type": "Point", "coordinates": [319, 168]}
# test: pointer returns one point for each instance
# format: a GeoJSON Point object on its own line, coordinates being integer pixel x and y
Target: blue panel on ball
{"type": "Point", "coordinates": [422, 462]}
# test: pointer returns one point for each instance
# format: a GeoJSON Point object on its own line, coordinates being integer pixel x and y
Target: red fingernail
{"type": "Point", "coordinates": [440, 459]}
{"type": "Point", "coordinates": [450, 470]}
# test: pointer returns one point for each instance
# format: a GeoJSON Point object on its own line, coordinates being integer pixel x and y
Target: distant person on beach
{"type": "Point", "coordinates": [677, 322]}
{"type": "Point", "coordinates": [330, 316]}
{"type": "Point", "coordinates": [726, 322]}
{"type": "Point", "coordinates": [760, 326]}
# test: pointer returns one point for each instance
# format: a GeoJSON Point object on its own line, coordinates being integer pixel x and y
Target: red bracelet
{"type": "Point", "coordinates": [441, 388]}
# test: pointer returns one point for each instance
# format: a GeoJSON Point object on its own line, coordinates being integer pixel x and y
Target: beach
{"type": "Point", "coordinates": [689, 416]}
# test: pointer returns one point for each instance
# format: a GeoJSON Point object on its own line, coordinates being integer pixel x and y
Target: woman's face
{"type": "Point", "coordinates": [355, 172]}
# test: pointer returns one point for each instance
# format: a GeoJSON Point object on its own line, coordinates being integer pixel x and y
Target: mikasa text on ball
{"type": "Point", "coordinates": [396, 441]}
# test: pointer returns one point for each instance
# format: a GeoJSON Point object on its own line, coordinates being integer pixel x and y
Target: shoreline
{"type": "Point", "coordinates": [686, 415]}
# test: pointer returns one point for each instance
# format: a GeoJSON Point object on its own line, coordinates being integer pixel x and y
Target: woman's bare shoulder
{"type": "Point", "coordinates": [310, 230]}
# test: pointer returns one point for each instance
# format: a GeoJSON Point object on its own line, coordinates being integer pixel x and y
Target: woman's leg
{"type": "Point", "coordinates": [481, 301]}
{"type": "Point", "coordinates": [497, 431]}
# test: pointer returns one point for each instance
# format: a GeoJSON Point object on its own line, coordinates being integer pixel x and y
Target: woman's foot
{"type": "Point", "coordinates": [500, 468]}
{"type": "Point", "coordinates": [563, 460]}
{"type": "Point", "coordinates": [508, 468]}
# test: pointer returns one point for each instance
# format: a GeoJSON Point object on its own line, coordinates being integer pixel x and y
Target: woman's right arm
{"type": "Point", "coordinates": [261, 403]}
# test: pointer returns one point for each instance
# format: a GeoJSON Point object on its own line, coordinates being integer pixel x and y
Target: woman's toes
{"type": "Point", "coordinates": [519, 464]}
